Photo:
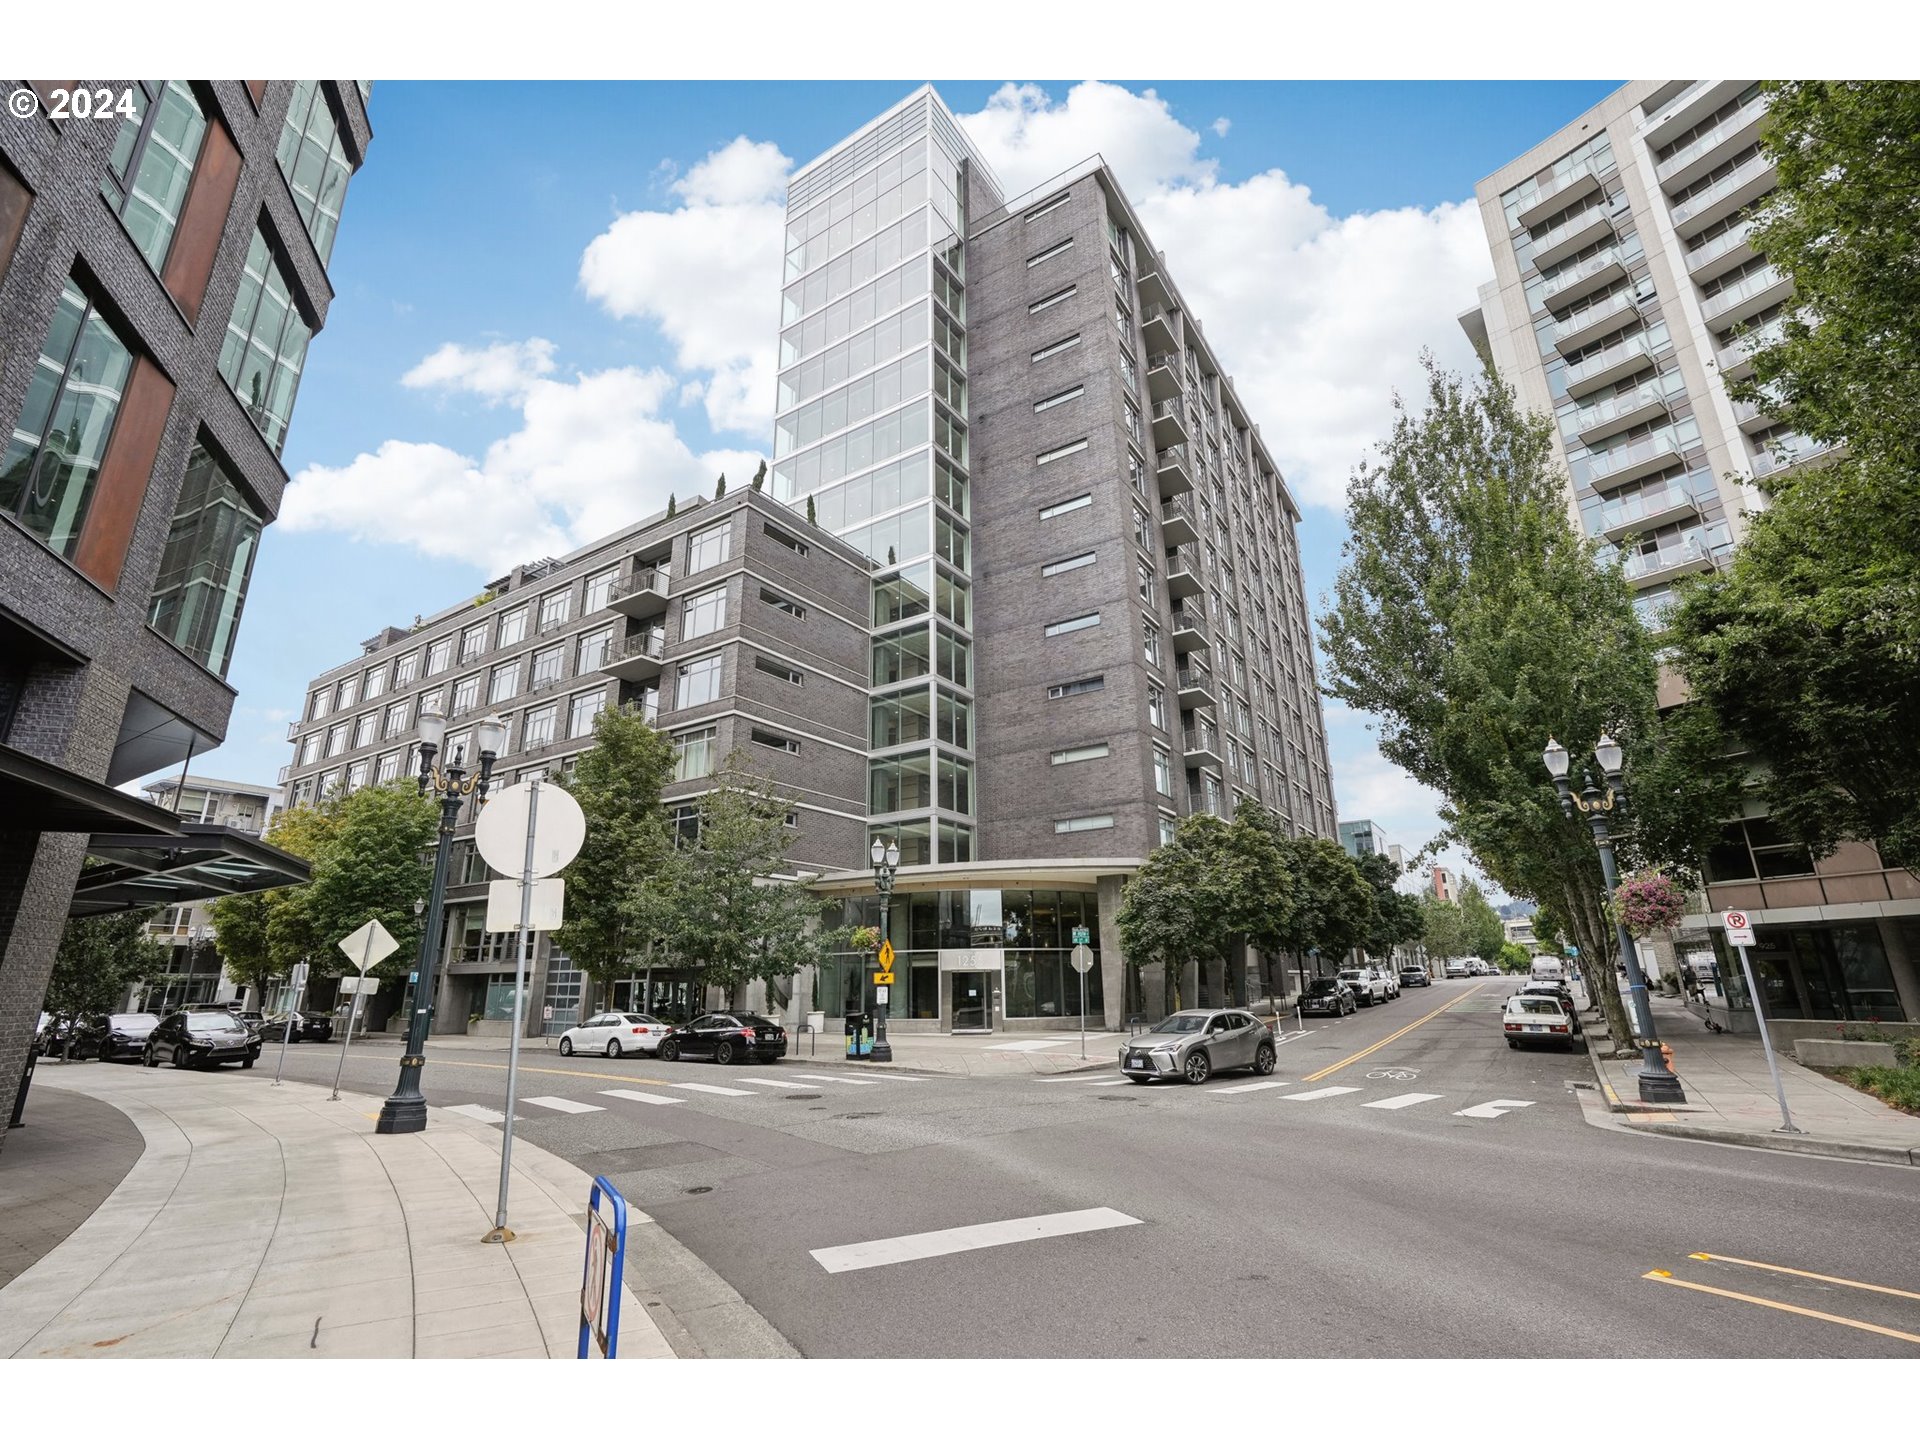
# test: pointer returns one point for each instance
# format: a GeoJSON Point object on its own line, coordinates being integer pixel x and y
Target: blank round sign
{"type": "Point", "coordinates": [559, 829]}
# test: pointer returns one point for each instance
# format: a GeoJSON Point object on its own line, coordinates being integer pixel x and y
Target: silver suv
{"type": "Point", "coordinates": [1369, 986]}
{"type": "Point", "coordinates": [1191, 1044]}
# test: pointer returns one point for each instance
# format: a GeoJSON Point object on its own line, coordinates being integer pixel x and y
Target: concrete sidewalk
{"type": "Point", "coordinates": [1730, 1097]}
{"type": "Point", "coordinates": [269, 1221]}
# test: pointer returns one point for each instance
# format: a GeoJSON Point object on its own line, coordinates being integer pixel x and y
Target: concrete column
{"type": "Point", "coordinates": [446, 1001]}
{"type": "Point", "coordinates": [1113, 959]}
{"type": "Point", "coordinates": [1217, 982]}
{"type": "Point", "coordinates": [756, 1000]}
{"type": "Point", "coordinates": [1189, 995]}
{"type": "Point", "coordinates": [1153, 991]}
{"type": "Point", "coordinates": [1905, 967]}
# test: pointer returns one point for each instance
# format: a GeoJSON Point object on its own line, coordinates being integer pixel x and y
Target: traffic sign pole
{"type": "Point", "coordinates": [1740, 938]}
{"type": "Point", "coordinates": [293, 1011]}
{"type": "Point", "coordinates": [500, 1234]}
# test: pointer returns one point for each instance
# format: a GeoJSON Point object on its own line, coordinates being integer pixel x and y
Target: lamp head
{"type": "Point", "coordinates": [893, 855]}
{"type": "Point", "coordinates": [1556, 758]}
{"type": "Point", "coordinates": [433, 723]}
{"type": "Point", "coordinates": [1608, 752]}
{"type": "Point", "coordinates": [491, 735]}
{"type": "Point", "coordinates": [879, 854]}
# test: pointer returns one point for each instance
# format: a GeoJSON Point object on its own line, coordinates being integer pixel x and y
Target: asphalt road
{"type": "Point", "coordinates": [1295, 1219]}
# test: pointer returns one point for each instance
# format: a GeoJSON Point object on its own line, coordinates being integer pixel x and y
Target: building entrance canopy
{"type": "Point", "coordinates": [198, 863]}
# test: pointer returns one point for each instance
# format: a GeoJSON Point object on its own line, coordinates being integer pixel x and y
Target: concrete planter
{"type": "Point", "coordinates": [1839, 1054]}
{"type": "Point", "coordinates": [498, 1028]}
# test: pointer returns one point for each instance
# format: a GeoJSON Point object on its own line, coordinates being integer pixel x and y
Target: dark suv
{"type": "Point", "coordinates": [196, 1038]}
{"type": "Point", "coordinates": [727, 1038]}
{"type": "Point", "coordinates": [113, 1037]}
{"type": "Point", "coordinates": [1328, 996]}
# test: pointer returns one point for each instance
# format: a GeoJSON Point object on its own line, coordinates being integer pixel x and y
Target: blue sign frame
{"type": "Point", "coordinates": [603, 1271]}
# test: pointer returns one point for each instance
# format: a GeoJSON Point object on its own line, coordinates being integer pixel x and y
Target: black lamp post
{"type": "Point", "coordinates": [405, 1111]}
{"type": "Point", "coordinates": [886, 860]}
{"type": "Point", "coordinates": [1658, 1084]}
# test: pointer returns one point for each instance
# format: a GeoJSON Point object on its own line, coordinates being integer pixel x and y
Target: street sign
{"type": "Point", "coordinates": [358, 985]}
{"type": "Point", "coordinates": [546, 1012]}
{"type": "Point", "coordinates": [298, 980]}
{"type": "Point", "coordinates": [885, 961]}
{"type": "Point", "coordinates": [1082, 956]}
{"type": "Point", "coordinates": [880, 992]}
{"type": "Point", "coordinates": [369, 945]}
{"type": "Point", "coordinates": [501, 834]}
{"type": "Point", "coordinates": [1739, 927]}
{"type": "Point", "coordinates": [883, 977]}
{"type": "Point", "coordinates": [543, 913]}
{"type": "Point", "coordinates": [1082, 935]}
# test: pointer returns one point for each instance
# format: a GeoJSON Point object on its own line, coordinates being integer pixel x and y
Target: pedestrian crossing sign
{"type": "Point", "coordinates": [885, 962]}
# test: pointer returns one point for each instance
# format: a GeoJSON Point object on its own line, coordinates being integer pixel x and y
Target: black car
{"type": "Point", "coordinates": [113, 1037]}
{"type": "Point", "coordinates": [1413, 975]}
{"type": "Point", "coordinates": [194, 1038]}
{"type": "Point", "coordinates": [727, 1038]}
{"type": "Point", "coordinates": [1328, 996]}
{"type": "Point", "coordinates": [307, 1025]}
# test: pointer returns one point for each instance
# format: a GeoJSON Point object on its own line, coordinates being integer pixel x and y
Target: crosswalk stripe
{"type": "Point", "coordinates": [560, 1103]}
{"type": "Point", "coordinates": [1493, 1109]}
{"type": "Point", "coordinates": [1256, 1085]}
{"type": "Point", "coordinates": [835, 1080]}
{"type": "Point", "coordinates": [1400, 1102]}
{"type": "Point", "coordinates": [1322, 1094]}
{"type": "Point", "coordinates": [774, 1084]}
{"type": "Point", "coordinates": [644, 1097]}
{"type": "Point", "coordinates": [476, 1112]}
{"type": "Point", "coordinates": [711, 1089]}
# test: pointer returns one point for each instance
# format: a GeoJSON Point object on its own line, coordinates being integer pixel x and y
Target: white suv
{"type": "Point", "coordinates": [1369, 986]}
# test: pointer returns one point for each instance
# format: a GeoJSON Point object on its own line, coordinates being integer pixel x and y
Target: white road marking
{"type": "Point", "coordinates": [712, 1089]}
{"type": "Point", "coordinates": [1029, 1045]}
{"type": "Point", "coordinates": [476, 1112]}
{"type": "Point", "coordinates": [1059, 1079]}
{"type": "Point", "coordinates": [1493, 1109]}
{"type": "Point", "coordinates": [643, 1097]}
{"type": "Point", "coordinates": [1290, 1036]}
{"type": "Point", "coordinates": [834, 1080]}
{"type": "Point", "coordinates": [868, 1253]}
{"type": "Point", "coordinates": [1322, 1094]}
{"type": "Point", "coordinates": [775, 1084]}
{"type": "Point", "coordinates": [1400, 1102]}
{"type": "Point", "coordinates": [1256, 1085]}
{"type": "Point", "coordinates": [1101, 1084]}
{"type": "Point", "coordinates": [560, 1103]}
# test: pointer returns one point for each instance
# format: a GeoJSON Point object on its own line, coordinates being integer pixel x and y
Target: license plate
{"type": "Point", "coordinates": [1536, 1029]}
{"type": "Point", "coordinates": [1136, 1064]}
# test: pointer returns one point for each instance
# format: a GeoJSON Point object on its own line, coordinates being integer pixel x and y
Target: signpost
{"type": "Point", "coordinates": [1083, 962]}
{"type": "Point", "coordinates": [1740, 936]}
{"type": "Point", "coordinates": [884, 975]}
{"type": "Point", "coordinates": [366, 948]}
{"type": "Point", "coordinates": [299, 982]}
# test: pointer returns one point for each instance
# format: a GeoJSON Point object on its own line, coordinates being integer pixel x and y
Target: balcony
{"type": "Point", "coordinates": [285, 770]}
{"type": "Point", "coordinates": [642, 595]}
{"type": "Point", "coordinates": [641, 657]}
{"type": "Point", "coordinates": [1201, 802]}
{"type": "Point", "coordinates": [1179, 522]}
{"type": "Point", "coordinates": [1685, 556]}
{"type": "Point", "coordinates": [1751, 418]}
{"type": "Point", "coordinates": [1189, 629]}
{"type": "Point", "coordinates": [1728, 250]}
{"type": "Point", "coordinates": [1158, 329]}
{"type": "Point", "coordinates": [1619, 412]}
{"type": "Point", "coordinates": [1648, 511]}
{"type": "Point", "coordinates": [1736, 356]}
{"type": "Point", "coordinates": [1586, 326]}
{"type": "Point", "coordinates": [1169, 423]}
{"type": "Point", "coordinates": [1163, 376]}
{"type": "Point", "coordinates": [1742, 186]}
{"type": "Point", "coordinates": [1650, 454]}
{"type": "Point", "coordinates": [1153, 285]}
{"type": "Point", "coordinates": [1184, 571]}
{"type": "Point", "coordinates": [1201, 746]}
{"type": "Point", "coordinates": [1557, 192]}
{"type": "Point", "coordinates": [1609, 366]}
{"type": "Point", "coordinates": [1572, 236]}
{"type": "Point", "coordinates": [1699, 155]}
{"type": "Point", "coordinates": [1799, 451]}
{"type": "Point", "coordinates": [1758, 290]}
{"type": "Point", "coordinates": [1596, 272]}
{"type": "Point", "coordinates": [1193, 682]}
{"type": "Point", "coordinates": [1171, 465]}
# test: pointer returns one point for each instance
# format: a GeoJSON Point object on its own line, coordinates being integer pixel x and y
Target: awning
{"type": "Point", "coordinates": [197, 863]}
{"type": "Point", "coordinates": [38, 796]}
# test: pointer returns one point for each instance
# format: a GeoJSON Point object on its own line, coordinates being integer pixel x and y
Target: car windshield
{"type": "Point", "coordinates": [1184, 1022]}
{"type": "Point", "coordinates": [141, 1019]}
{"type": "Point", "coordinates": [212, 1024]}
{"type": "Point", "coordinates": [1534, 1005]}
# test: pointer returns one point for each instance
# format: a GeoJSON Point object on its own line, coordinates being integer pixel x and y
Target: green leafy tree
{"type": "Point", "coordinates": [1196, 898]}
{"type": "Point", "coordinates": [1484, 934]}
{"type": "Point", "coordinates": [240, 929]}
{"type": "Point", "coordinates": [720, 487]}
{"type": "Point", "coordinates": [99, 958]}
{"type": "Point", "coordinates": [673, 507]}
{"type": "Point", "coordinates": [617, 784]}
{"type": "Point", "coordinates": [1333, 903]}
{"type": "Point", "coordinates": [1396, 917]}
{"type": "Point", "coordinates": [1514, 959]}
{"type": "Point", "coordinates": [760, 476]}
{"type": "Point", "coordinates": [1443, 930]}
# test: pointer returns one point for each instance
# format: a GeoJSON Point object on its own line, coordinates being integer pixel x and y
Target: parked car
{"type": "Point", "coordinates": [1391, 977]}
{"type": "Point", "coordinates": [1368, 986]}
{"type": "Point", "coordinates": [1412, 975]}
{"type": "Point", "coordinates": [193, 1038]}
{"type": "Point", "coordinates": [614, 1033]}
{"type": "Point", "coordinates": [1328, 996]}
{"type": "Point", "coordinates": [314, 1025]}
{"type": "Point", "coordinates": [1559, 992]}
{"type": "Point", "coordinates": [113, 1037]}
{"type": "Point", "coordinates": [1192, 1044]}
{"type": "Point", "coordinates": [727, 1037]}
{"type": "Point", "coordinates": [1536, 1020]}
{"type": "Point", "coordinates": [1457, 970]}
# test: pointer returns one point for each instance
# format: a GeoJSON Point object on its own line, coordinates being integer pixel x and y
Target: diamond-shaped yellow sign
{"type": "Point", "coordinates": [885, 961]}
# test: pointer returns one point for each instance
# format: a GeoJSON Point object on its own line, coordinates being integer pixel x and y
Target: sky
{"type": "Point", "coordinates": [556, 304]}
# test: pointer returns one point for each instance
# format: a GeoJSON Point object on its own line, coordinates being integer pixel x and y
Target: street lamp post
{"type": "Point", "coordinates": [405, 1111]}
{"type": "Point", "coordinates": [1658, 1084]}
{"type": "Point", "coordinates": [886, 860]}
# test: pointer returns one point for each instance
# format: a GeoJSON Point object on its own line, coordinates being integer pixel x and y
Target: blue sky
{"type": "Point", "coordinates": [593, 268]}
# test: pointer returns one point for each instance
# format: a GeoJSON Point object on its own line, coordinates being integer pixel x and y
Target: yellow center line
{"type": "Point", "coordinates": [1666, 1279]}
{"type": "Point", "coordinates": [1362, 1054]}
{"type": "Point", "coordinates": [1806, 1274]}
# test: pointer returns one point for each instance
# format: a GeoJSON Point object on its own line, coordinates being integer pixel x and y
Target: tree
{"type": "Point", "coordinates": [1396, 916]}
{"type": "Point", "coordinates": [99, 958]}
{"type": "Point", "coordinates": [1442, 929]}
{"type": "Point", "coordinates": [1333, 905]}
{"type": "Point", "coordinates": [1483, 932]}
{"type": "Point", "coordinates": [760, 476]}
{"type": "Point", "coordinates": [1514, 959]}
{"type": "Point", "coordinates": [1195, 898]}
{"type": "Point", "coordinates": [720, 487]}
{"type": "Point", "coordinates": [673, 506]}
{"type": "Point", "coordinates": [810, 516]}
{"type": "Point", "coordinates": [240, 938]}
{"type": "Point", "coordinates": [617, 784]}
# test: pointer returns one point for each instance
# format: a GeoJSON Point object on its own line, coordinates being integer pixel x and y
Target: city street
{"type": "Point", "coordinates": [1403, 1185]}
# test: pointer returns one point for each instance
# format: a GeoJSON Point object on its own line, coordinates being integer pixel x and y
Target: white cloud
{"type": "Point", "coordinates": [501, 371]}
{"type": "Point", "coordinates": [742, 172]}
{"type": "Point", "coordinates": [1221, 126]}
{"type": "Point", "coordinates": [1027, 139]}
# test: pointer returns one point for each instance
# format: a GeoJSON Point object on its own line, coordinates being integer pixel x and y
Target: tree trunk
{"type": "Point", "coordinates": [1597, 946]}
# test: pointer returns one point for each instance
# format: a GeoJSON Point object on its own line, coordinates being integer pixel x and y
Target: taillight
{"type": "Point", "coordinates": [746, 1034]}
{"type": "Point", "coordinates": [639, 1029]}
{"type": "Point", "coordinates": [1513, 1027]}
{"type": "Point", "coordinates": [1558, 1029]}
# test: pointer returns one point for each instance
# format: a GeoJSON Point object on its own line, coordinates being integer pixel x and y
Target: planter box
{"type": "Point", "coordinates": [498, 1028]}
{"type": "Point", "coordinates": [1838, 1054]}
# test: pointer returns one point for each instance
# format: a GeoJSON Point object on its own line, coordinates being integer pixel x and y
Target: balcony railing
{"type": "Point", "coordinates": [1752, 172]}
{"type": "Point", "coordinates": [1568, 282]}
{"type": "Point", "coordinates": [1179, 520]}
{"type": "Point", "coordinates": [1648, 509]}
{"type": "Point", "coordinates": [1590, 419]}
{"type": "Point", "coordinates": [1725, 243]}
{"type": "Point", "coordinates": [1689, 552]}
{"type": "Point", "coordinates": [1614, 362]}
{"type": "Point", "coordinates": [1624, 462]}
{"type": "Point", "coordinates": [1754, 286]}
{"type": "Point", "coordinates": [1189, 622]}
{"type": "Point", "coordinates": [1592, 322]}
{"type": "Point", "coordinates": [1571, 235]}
{"type": "Point", "coordinates": [1557, 190]}
{"type": "Point", "coordinates": [1798, 450]}
{"type": "Point", "coordinates": [1745, 117]}
{"type": "Point", "coordinates": [1198, 742]}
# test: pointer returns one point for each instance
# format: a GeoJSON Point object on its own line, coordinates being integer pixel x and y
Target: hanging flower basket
{"type": "Point", "coordinates": [1649, 900]}
{"type": "Point", "coordinates": [866, 937]}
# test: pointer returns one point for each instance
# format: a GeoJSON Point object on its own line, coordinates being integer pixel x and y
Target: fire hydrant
{"type": "Point", "coordinates": [1666, 1054]}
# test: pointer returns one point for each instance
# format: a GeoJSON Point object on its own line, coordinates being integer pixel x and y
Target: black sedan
{"type": "Point", "coordinates": [306, 1024]}
{"type": "Point", "coordinates": [727, 1038]}
{"type": "Point", "coordinates": [196, 1038]}
{"type": "Point", "coordinates": [1328, 996]}
{"type": "Point", "coordinates": [113, 1037]}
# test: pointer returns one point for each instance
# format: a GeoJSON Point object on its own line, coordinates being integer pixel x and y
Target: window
{"type": "Point", "coordinates": [781, 537]}
{"type": "Point", "coordinates": [349, 692]}
{"type": "Point", "coordinates": [1129, 372]}
{"type": "Point", "coordinates": [1123, 319]}
{"type": "Point", "coordinates": [781, 602]}
{"type": "Point", "coordinates": [356, 775]}
{"type": "Point", "coordinates": [396, 718]}
{"type": "Point", "coordinates": [151, 168]}
{"type": "Point", "coordinates": [693, 753]}
{"type": "Point", "coordinates": [310, 748]}
{"type": "Point", "coordinates": [1076, 687]}
{"type": "Point", "coordinates": [1060, 452]}
{"type": "Point", "coordinates": [466, 695]}
{"type": "Point", "coordinates": [319, 703]}
{"type": "Point", "coordinates": [774, 741]}
{"type": "Point", "coordinates": [539, 728]}
{"type": "Point", "coordinates": [376, 682]}
{"type": "Point", "coordinates": [513, 627]}
{"type": "Point", "coordinates": [593, 651]}
{"type": "Point", "coordinates": [699, 682]}
{"type": "Point", "coordinates": [202, 586]}
{"type": "Point", "coordinates": [265, 344]}
{"type": "Point", "coordinates": [1157, 707]}
{"type": "Point", "coordinates": [1062, 398]}
{"type": "Point", "coordinates": [554, 610]}
{"type": "Point", "coordinates": [1076, 753]}
{"type": "Point", "coordinates": [329, 783]}
{"type": "Point", "coordinates": [1083, 822]}
{"type": "Point", "coordinates": [1048, 206]}
{"type": "Point", "coordinates": [505, 683]}
{"type": "Point", "coordinates": [1142, 529]}
{"type": "Point", "coordinates": [336, 740]}
{"type": "Point", "coordinates": [1060, 567]}
{"type": "Point", "coordinates": [387, 768]}
{"type": "Point", "coordinates": [707, 548]}
{"type": "Point", "coordinates": [51, 463]}
{"type": "Point", "coordinates": [363, 729]}
{"type": "Point", "coordinates": [704, 613]}
{"type": "Point", "coordinates": [599, 591]}
{"type": "Point", "coordinates": [1150, 642]}
{"type": "Point", "coordinates": [1078, 502]}
{"type": "Point", "coordinates": [1078, 622]}
{"type": "Point", "coordinates": [405, 669]}
{"type": "Point", "coordinates": [439, 655]}
{"type": "Point", "coordinates": [581, 713]}
{"type": "Point", "coordinates": [1055, 348]}
{"type": "Point", "coordinates": [472, 642]}
{"type": "Point", "coordinates": [777, 670]}
{"type": "Point", "coordinates": [548, 665]}
{"type": "Point", "coordinates": [1167, 826]}
{"type": "Point", "coordinates": [1052, 250]}
{"type": "Point", "coordinates": [1146, 580]}
{"type": "Point", "coordinates": [1050, 300]}
{"type": "Point", "coordinates": [315, 163]}
{"type": "Point", "coordinates": [1163, 772]}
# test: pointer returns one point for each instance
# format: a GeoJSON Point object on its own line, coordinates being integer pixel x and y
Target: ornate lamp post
{"type": "Point", "coordinates": [1658, 1084]}
{"type": "Point", "coordinates": [886, 860]}
{"type": "Point", "coordinates": [405, 1111]}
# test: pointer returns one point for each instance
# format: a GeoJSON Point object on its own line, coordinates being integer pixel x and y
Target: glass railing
{"type": "Point", "coordinates": [1721, 188]}
{"type": "Point", "coordinates": [1674, 495]}
{"type": "Point", "coordinates": [1173, 455]}
{"type": "Point", "coordinates": [1566, 279]}
{"type": "Point", "coordinates": [1170, 410]}
{"type": "Point", "coordinates": [1561, 231]}
{"type": "Point", "coordinates": [1614, 406]}
{"type": "Point", "coordinates": [1688, 549]}
{"type": "Point", "coordinates": [1797, 448]}
{"type": "Point", "coordinates": [1593, 315]}
{"type": "Point", "coordinates": [1629, 348]}
{"type": "Point", "coordinates": [1741, 349]}
{"type": "Point", "coordinates": [1720, 244]}
{"type": "Point", "coordinates": [1605, 463]}
{"type": "Point", "coordinates": [1674, 106]}
{"type": "Point", "coordinates": [1745, 115]}
{"type": "Point", "coordinates": [1554, 184]}
{"type": "Point", "coordinates": [1723, 300]}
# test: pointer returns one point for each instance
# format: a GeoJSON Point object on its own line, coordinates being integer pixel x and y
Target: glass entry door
{"type": "Point", "coordinates": [970, 1000]}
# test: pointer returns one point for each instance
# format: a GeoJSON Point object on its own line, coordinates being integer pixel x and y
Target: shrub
{"type": "Point", "coordinates": [1900, 1088]}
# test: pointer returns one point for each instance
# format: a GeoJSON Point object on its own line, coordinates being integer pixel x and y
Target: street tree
{"type": "Point", "coordinates": [1484, 934]}
{"type": "Point", "coordinates": [99, 959]}
{"type": "Point", "coordinates": [617, 784]}
{"type": "Point", "coordinates": [1442, 929]}
{"type": "Point", "coordinates": [1396, 916]}
{"type": "Point", "coordinates": [1333, 904]}
{"type": "Point", "coordinates": [1212, 887]}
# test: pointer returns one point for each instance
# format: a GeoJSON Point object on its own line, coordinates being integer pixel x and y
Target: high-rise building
{"type": "Point", "coordinates": [1365, 837]}
{"type": "Point", "coordinates": [161, 273]}
{"type": "Point", "coordinates": [1626, 293]}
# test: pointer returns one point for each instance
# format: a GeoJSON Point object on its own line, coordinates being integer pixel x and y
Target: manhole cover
{"type": "Point", "coordinates": [698, 1189]}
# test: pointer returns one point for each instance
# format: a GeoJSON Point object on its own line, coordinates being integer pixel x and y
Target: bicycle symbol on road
{"type": "Point", "coordinates": [1393, 1074]}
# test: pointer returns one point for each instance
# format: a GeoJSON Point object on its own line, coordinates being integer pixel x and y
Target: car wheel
{"type": "Point", "coordinates": [149, 1060]}
{"type": "Point", "coordinates": [247, 1064]}
{"type": "Point", "coordinates": [1513, 1044]}
{"type": "Point", "coordinates": [566, 1046]}
{"type": "Point", "coordinates": [180, 1057]}
{"type": "Point", "coordinates": [1263, 1060]}
{"type": "Point", "coordinates": [1198, 1067]}
{"type": "Point", "coordinates": [723, 1053]}
{"type": "Point", "coordinates": [669, 1049]}
{"type": "Point", "coordinates": [613, 1049]}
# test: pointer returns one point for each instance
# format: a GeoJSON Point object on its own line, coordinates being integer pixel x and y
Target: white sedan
{"type": "Point", "coordinates": [614, 1033]}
